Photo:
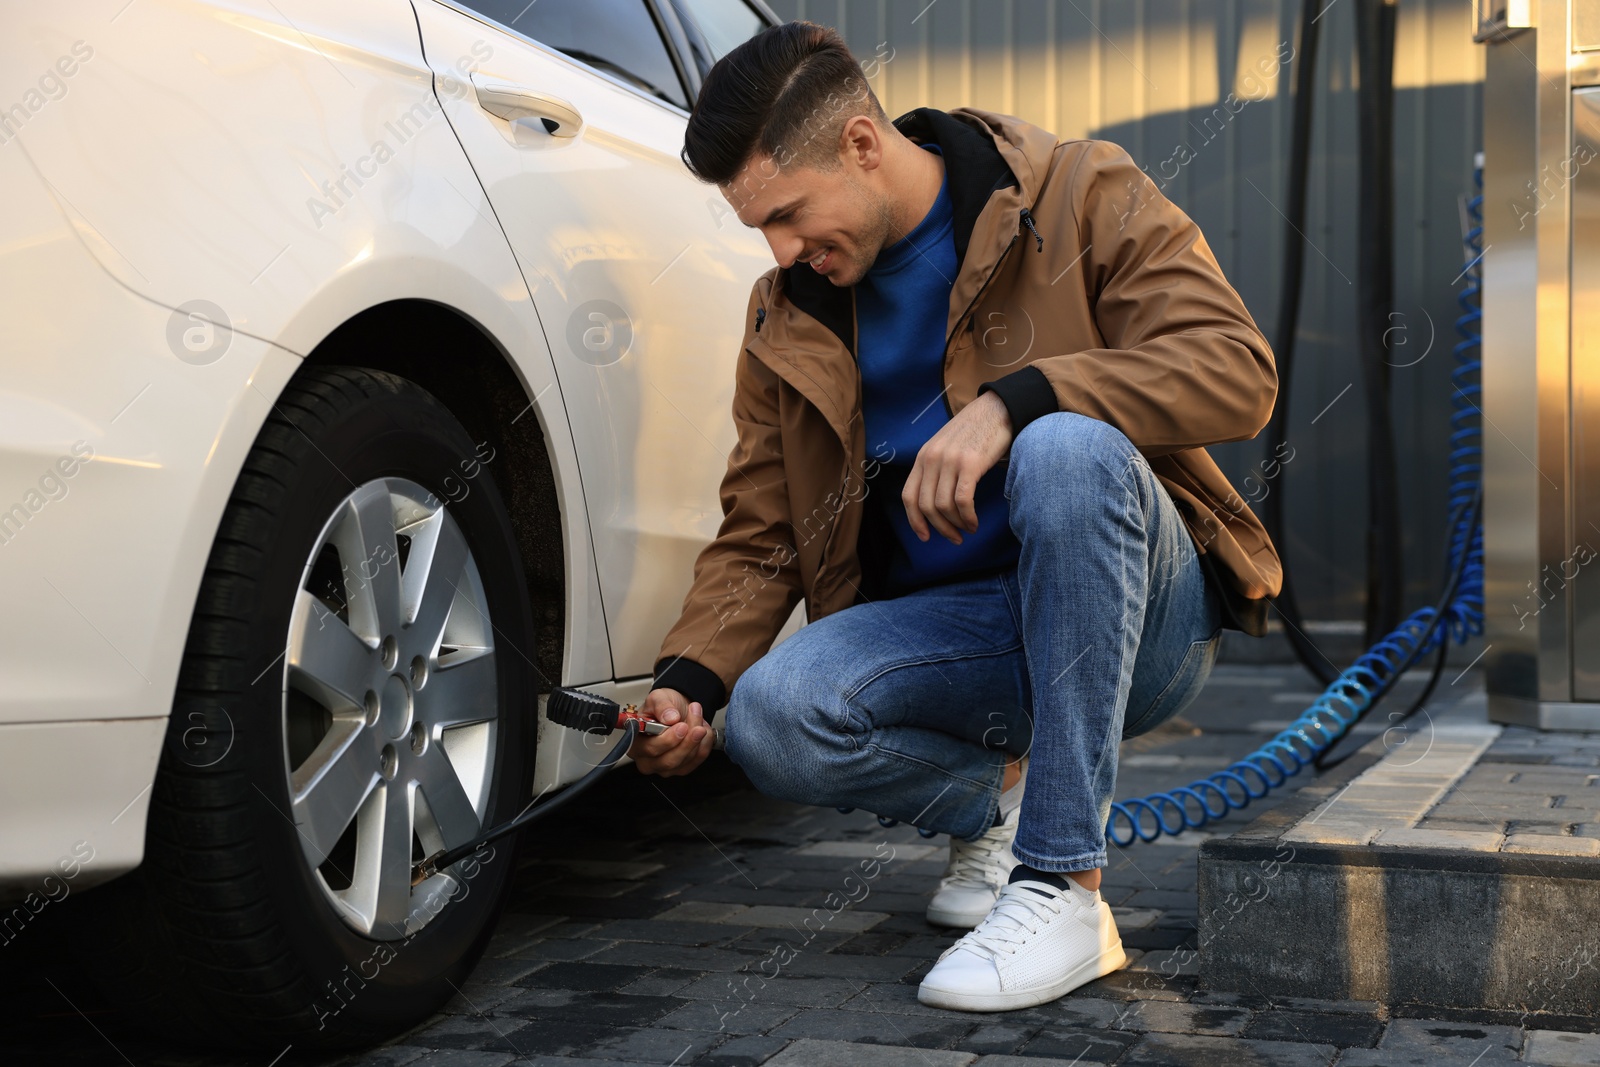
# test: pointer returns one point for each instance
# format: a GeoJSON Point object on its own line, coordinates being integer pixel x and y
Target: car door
{"type": "Point", "coordinates": [640, 273]}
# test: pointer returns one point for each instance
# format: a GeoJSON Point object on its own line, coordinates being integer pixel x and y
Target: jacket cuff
{"type": "Point", "coordinates": [700, 684]}
{"type": "Point", "coordinates": [1026, 393]}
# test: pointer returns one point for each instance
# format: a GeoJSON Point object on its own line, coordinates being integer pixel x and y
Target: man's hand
{"type": "Point", "coordinates": [683, 746]}
{"type": "Point", "coordinates": [944, 479]}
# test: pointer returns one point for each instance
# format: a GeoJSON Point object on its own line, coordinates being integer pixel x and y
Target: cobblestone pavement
{"type": "Point", "coordinates": [637, 935]}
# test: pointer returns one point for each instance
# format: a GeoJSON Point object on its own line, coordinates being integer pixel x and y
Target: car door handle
{"type": "Point", "coordinates": [513, 102]}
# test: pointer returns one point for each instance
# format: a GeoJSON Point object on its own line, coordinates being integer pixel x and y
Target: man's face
{"type": "Point", "coordinates": [834, 220]}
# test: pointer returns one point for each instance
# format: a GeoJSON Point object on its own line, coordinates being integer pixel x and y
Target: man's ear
{"type": "Point", "coordinates": [861, 142]}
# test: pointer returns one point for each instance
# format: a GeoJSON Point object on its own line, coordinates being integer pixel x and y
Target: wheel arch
{"type": "Point", "coordinates": [476, 381]}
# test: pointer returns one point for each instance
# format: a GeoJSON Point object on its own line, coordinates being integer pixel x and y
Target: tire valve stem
{"type": "Point", "coordinates": [426, 869]}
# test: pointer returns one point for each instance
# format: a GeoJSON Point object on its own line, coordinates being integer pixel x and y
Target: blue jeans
{"type": "Point", "coordinates": [910, 706]}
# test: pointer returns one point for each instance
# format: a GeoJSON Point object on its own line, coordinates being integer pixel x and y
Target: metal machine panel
{"type": "Point", "coordinates": [1580, 571]}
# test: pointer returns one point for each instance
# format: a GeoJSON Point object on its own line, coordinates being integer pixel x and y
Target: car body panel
{"type": "Point", "coordinates": [641, 275]}
{"type": "Point", "coordinates": [163, 401]}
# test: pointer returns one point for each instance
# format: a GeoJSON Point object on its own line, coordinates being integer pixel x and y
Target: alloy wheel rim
{"type": "Point", "coordinates": [390, 705]}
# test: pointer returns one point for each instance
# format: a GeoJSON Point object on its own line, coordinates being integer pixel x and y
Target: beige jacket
{"type": "Point", "coordinates": [1081, 288]}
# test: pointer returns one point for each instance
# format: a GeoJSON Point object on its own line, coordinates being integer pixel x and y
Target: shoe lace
{"type": "Point", "coordinates": [1015, 917]}
{"type": "Point", "coordinates": [978, 861]}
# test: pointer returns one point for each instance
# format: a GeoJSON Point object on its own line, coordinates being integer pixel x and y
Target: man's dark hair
{"type": "Point", "coordinates": [786, 93]}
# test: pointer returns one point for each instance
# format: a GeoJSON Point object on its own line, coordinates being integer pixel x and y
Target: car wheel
{"type": "Point", "coordinates": [354, 696]}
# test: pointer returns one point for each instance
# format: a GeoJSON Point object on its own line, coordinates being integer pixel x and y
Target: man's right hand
{"type": "Point", "coordinates": [685, 743]}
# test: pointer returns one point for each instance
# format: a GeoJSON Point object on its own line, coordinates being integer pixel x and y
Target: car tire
{"type": "Point", "coordinates": [304, 674]}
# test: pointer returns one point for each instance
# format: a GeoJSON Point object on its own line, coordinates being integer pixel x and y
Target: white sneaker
{"type": "Point", "coordinates": [1038, 943]}
{"type": "Point", "coordinates": [978, 869]}
{"type": "Point", "coordinates": [973, 880]}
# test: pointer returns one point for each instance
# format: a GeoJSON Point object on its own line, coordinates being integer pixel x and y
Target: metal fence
{"type": "Point", "coordinates": [1197, 91]}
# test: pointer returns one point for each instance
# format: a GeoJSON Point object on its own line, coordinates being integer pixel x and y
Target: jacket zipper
{"type": "Point", "coordinates": [1027, 220]}
{"type": "Point", "coordinates": [974, 303]}
{"type": "Point", "coordinates": [1026, 217]}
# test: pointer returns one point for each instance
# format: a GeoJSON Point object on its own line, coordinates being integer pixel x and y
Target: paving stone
{"type": "Point", "coordinates": [584, 906]}
{"type": "Point", "coordinates": [742, 1052]}
{"type": "Point", "coordinates": [1163, 899]}
{"type": "Point", "coordinates": [474, 998]}
{"type": "Point", "coordinates": [1341, 1031]}
{"type": "Point", "coordinates": [567, 927]}
{"type": "Point", "coordinates": [1225, 999]}
{"type": "Point", "coordinates": [1428, 837]}
{"type": "Point", "coordinates": [1179, 1018]}
{"type": "Point", "coordinates": [1193, 1050]}
{"type": "Point", "coordinates": [700, 911]}
{"type": "Point", "coordinates": [1139, 918]}
{"type": "Point", "coordinates": [1341, 1007]}
{"type": "Point", "coordinates": [582, 975]}
{"type": "Point", "coordinates": [925, 943]}
{"type": "Point", "coordinates": [1495, 1044]}
{"type": "Point", "coordinates": [560, 1006]}
{"type": "Point", "coordinates": [901, 999]}
{"type": "Point", "coordinates": [738, 1018]}
{"type": "Point", "coordinates": [784, 989]}
{"type": "Point", "coordinates": [1139, 985]}
{"type": "Point", "coordinates": [727, 893]}
{"type": "Point", "coordinates": [807, 1053]}
{"type": "Point", "coordinates": [1380, 1057]}
{"type": "Point", "coordinates": [661, 983]}
{"type": "Point", "coordinates": [997, 1039]}
{"type": "Point", "coordinates": [873, 850]}
{"type": "Point", "coordinates": [1558, 1049]}
{"type": "Point", "coordinates": [760, 941]}
{"type": "Point", "coordinates": [875, 1028]}
{"type": "Point", "coordinates": [1555, 828]}
{"type": "Point", "coordinates": [1475, 826]}
{"type": "Point", "coordinates": [470, 1032]}
{"type": "Point", "coordinates": [553, 948]}
{"type": "Point", "coordinates": [913, 903]}
{"type": "Point", "coordinates": [1157, 938]}
{"type": "Point", "coordinates": [390, 1056]}
{"type": "Point", "coordinates": [1329, 832]}
{"type": "Point", "coordinates": [463, 1058]}
{"type": "Point", "coordinates": [1079, 1044]}
{"type": "Point", "coordinates": [1551, 845]}
{"type": "Point", "coordinates": [859, 968]}
{"type": "Point", "coordinates": [607, 890]}
{"type": "Point", "coordinates": [847, 920]}
{"type": "Point", "coordinates": [650, 1046]}
{"type": "Point", "coordinates": [631, 870]}
{"type": "Point", "coordinates": [669, 932]}
{"type": "Point", "coordinates": [1167, 961]}
{"type": "Point", "coordinates": [874, 942]}
{"type": "Point", "coordinates": [644, 954]}
{"type": "Point", "coordinates": [1116, 894]}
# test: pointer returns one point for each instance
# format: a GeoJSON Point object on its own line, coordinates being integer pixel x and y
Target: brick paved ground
{"type": "Point", "coordinates": [638, 937]}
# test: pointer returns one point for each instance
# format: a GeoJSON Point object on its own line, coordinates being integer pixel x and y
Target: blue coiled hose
{"type": "Point", "coordinates": [1358, 688]}
{"type": "Point", "coordinates": [1351, 695]}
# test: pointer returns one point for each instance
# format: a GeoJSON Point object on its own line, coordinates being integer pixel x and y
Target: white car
{"type": "Point", "coordinates": [366, 373]}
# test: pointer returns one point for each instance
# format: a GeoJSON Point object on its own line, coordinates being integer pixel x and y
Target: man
{"type": "Point", "coordinates": [972, 407]}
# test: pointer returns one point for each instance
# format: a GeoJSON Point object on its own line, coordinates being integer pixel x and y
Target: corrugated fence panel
{"type": "Point", "coordinates": [1197, 92]}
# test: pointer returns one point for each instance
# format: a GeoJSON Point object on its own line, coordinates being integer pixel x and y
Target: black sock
{"type": "Point", "coordinates": [1022, 872]}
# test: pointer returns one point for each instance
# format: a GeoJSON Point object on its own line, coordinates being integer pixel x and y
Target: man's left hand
{"type": "Point", "coordinates": [939, 492]}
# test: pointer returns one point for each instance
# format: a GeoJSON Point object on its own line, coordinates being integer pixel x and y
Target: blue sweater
{"type": "Point", "coordinates": [902, 306]}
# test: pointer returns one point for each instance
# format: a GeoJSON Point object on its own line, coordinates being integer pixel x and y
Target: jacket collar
{"type": "Point", "coordinates": [975, 170]}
